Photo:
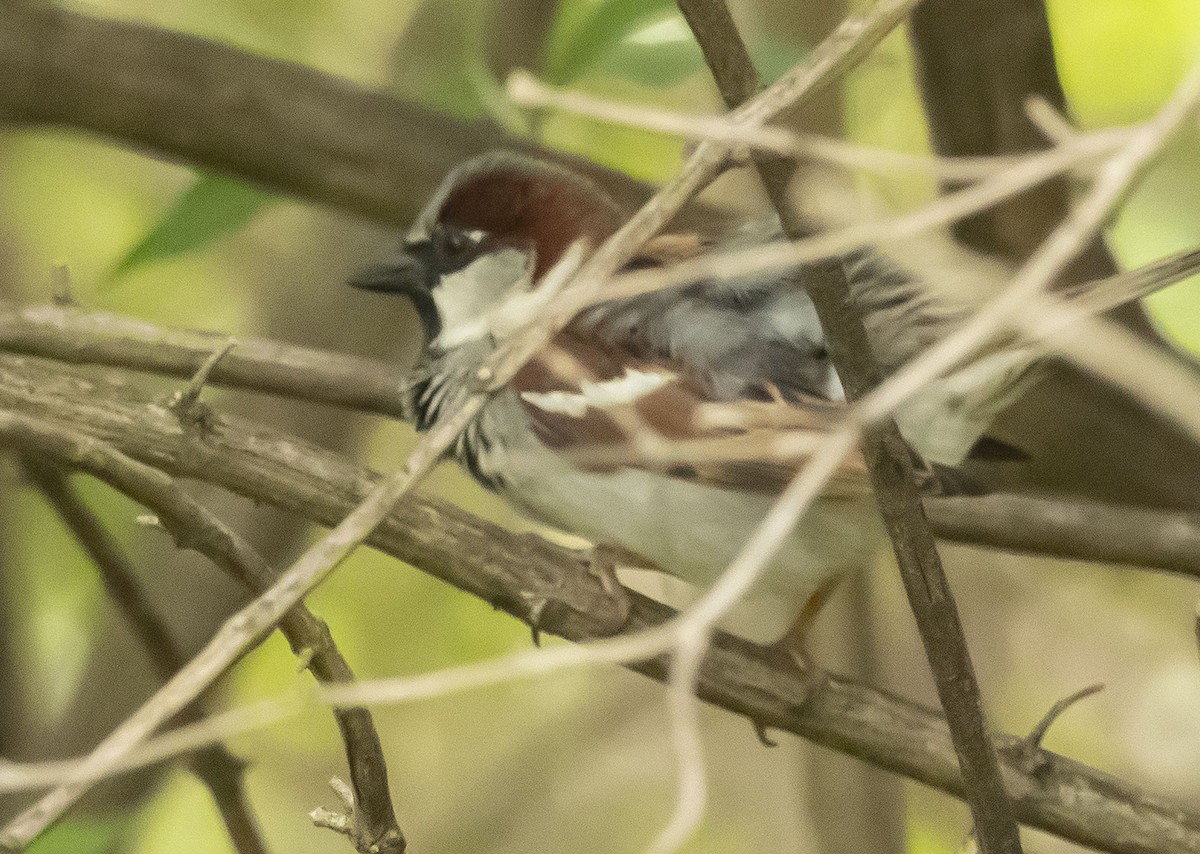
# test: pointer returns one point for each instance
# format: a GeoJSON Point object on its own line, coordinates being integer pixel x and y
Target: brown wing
{"type": "Point", "coordinates": [605, 410]}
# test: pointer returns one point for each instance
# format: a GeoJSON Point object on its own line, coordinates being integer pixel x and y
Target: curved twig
{"type": "Point", "coordinates": [195, 527]}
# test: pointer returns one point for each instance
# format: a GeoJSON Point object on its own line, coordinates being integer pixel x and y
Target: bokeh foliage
{"type": "Point", "coordinates": [556, 765]}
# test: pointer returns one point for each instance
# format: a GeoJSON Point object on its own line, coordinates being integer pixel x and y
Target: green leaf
{"type": "Point", "coordinates": [206, 211]}
{"type": "Point", "coordinates": [585, 32]}
{"type": "Point", "coordinates": [647, 43]}
{"type": "Point", "coordinates": [658, 54]}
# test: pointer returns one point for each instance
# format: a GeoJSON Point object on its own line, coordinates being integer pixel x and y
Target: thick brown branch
{"type": "Point", "coordinates": [219, 770]}
{"type": "Point", "coordinates": [1061, 527]}
{"type": "Point", "coordinates": [978, 63]}
{"type": "Point", "coordinates": [889, 463]}
{"type": "Point", "coordinates": [542, 583]}
{"type": "Point", "coordinates": [1081, 530]}
{"type": "Point", "coordinates": [283, 126]}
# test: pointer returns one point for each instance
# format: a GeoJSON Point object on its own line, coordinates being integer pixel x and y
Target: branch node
{"type": "Point", "coordinates": [347, 824]}
{"type": "Point", "coordinates": [1028, 749]}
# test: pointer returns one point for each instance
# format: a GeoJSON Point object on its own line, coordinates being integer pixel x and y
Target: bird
{"type": "Point", "coordinates": [566, 440]}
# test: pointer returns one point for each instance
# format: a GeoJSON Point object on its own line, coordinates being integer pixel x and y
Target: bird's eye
{"type": "Point", "coordinates": [456, 245]}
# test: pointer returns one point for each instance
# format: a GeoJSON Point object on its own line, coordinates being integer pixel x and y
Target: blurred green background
{"type": "Point", "coordinates": [578, 762]}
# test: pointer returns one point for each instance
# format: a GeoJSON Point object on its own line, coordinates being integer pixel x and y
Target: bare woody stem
{"type": "Point", "coordinates": [220, 771]}
{"type": "Point", "coordinates": [513, 572]}
{"type": "Point", "coordinates": [1058, 527]}
{"type": "Point", "coordinates": [888, 460]}
{"type": "Point", "coordinates": [194, 527]}
{"type": "Point", "coordinates": [282, 126]}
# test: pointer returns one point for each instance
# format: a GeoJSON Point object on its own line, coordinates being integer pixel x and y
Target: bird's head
{"type": "Point", "coordinates": [497, 221]}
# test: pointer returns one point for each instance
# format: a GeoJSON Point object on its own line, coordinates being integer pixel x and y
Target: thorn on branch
{"type": "Point", "coordinates": [1028, 749]}
{"type": "Point", "coordinates": [1034, 739]}
{"type": "Point", "coordinates": [183, 403]}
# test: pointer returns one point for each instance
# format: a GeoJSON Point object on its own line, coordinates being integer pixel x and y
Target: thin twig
{"type": "Point", "coordinates": [246, 629]}
{"type": "Point", "coordinates": [1038, 733]}
{"type": "Point", "coordinates": [1028, 172]}
{"type": "Point", "coordinates": [890, 467]}
{"type": "Point", "coordinates": [242, 631]}
{"type": "Point", "coordinates": [221, 772]}
{"type": "Point", "coordinates": [1049, 120]}
{"type": "Point", "coordinates": [194, 527]}
{"type": "Point", "coordinates": [1029, 284]}
{"type": "Point", "coordinates": [368, 385]}
{"type": "Point", "coordinates": [184, 400]}
{"type": "Point", "coordinates": [527, 91]}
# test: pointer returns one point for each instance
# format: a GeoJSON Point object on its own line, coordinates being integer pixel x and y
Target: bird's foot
{"type": "Point", "coordinates": [603, 560]}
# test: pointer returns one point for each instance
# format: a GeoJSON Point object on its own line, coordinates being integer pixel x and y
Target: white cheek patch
{"type": "Point", "coordinates": [620, 391]}
{"type": "Point", "coordinates": [466, 298]}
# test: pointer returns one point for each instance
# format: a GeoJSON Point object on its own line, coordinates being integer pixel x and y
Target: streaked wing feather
{"type": "Point", "coordinates": [604, 410]}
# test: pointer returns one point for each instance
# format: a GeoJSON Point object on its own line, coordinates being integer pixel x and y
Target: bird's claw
{"type": "Point", "coordinates": [602, 563]}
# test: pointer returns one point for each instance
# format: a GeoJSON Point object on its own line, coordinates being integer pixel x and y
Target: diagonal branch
{"type": "Point", "coordinates": [246, 628]}
{"type": "Point", "coordinates": [195, 527]}
{"type": "Point", "coordinates": [888, 460]}
{"type": "Point", "coordinates": [550, 587]}
{"type": "Point", "coordinates": [237, 636]}
{"type": "Point", "coordinates": [221, 772]}
{"type": "Point", "coordinates": [282, 126]}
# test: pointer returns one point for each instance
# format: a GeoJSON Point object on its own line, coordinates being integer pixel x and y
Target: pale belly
{"type": "Point", "coordinates": [689, 530]}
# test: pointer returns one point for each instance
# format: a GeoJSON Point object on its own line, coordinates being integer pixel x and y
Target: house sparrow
{"type": "Point", "coordinates": [562, 441]}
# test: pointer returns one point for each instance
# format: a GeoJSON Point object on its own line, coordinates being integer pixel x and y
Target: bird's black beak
{"type": "Point", "coordinates": [412, 275]}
